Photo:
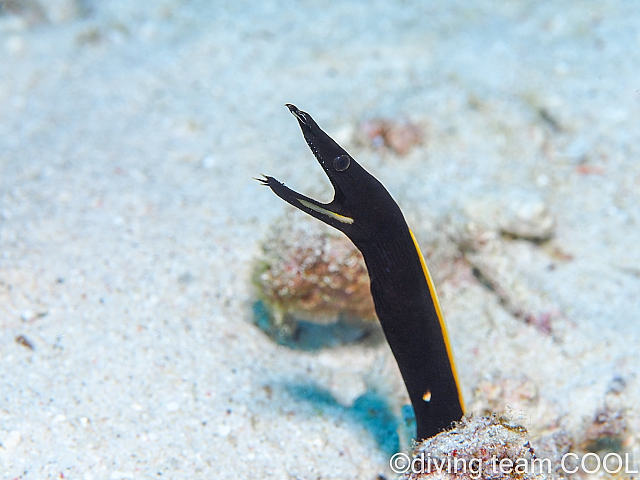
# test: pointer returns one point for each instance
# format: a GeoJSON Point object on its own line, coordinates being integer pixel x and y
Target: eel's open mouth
{"type": "Point", "coordinates": [333, 159]}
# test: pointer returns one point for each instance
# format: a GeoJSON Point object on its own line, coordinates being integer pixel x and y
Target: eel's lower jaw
{"type": "Point", "coordinates": [279, 188]}
{"type": "Point", "coordinates": [323, 212]}
{"type": "Point", "coordinates": [264, 180]}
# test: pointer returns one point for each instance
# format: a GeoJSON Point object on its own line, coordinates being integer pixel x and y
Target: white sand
{"type": "Point", "coordinates": [129, 218]}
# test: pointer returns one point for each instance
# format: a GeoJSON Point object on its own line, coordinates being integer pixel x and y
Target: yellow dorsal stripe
{"type": "Point", "coordinates": [329, 213]}
{"type": "Point", "coordinates": [443, 326]}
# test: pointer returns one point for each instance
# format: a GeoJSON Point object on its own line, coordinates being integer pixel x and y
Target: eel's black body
{"type": "Point", "coordinates": [404, 296]}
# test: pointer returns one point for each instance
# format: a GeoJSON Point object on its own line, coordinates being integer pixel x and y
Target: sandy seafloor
{"type": "Point", "coordinates": [129, 136]}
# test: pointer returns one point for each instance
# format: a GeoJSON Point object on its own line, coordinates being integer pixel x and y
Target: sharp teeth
{"type": "Point", "coordinates": [300, 115]}
{"type": "Point", "coordinates": [329, 213]}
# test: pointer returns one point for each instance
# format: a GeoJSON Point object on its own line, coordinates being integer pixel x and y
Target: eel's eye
{"type": "Point", "coordinates": [341, 163]}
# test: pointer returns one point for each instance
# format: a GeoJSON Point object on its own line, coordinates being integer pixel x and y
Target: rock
{"type": "Point", "coordinates": [306, 275]}
{"type": "Point", "coordinates": [478, 447]}
{"type": "Point", "coordinates": [11, 440]}
{"type": "Point", "coordinates": [518, 214]}
{"type": "Point", "coordinates": [527, 218]}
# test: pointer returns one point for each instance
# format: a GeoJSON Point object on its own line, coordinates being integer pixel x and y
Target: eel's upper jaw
{"type": "Point", "coordinates": [323, 147]}
{"type": "Point", "coordinates": [299, 114]}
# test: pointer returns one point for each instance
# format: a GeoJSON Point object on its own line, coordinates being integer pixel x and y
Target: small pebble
{"type": "Point", "coordinates": [15, 45]}
{"type": "Point", "coordinates": [521, 215]}
{"type": "Point", "coordinates": [12, 24]}
{"type": "Point", "coordinates": [224, 430]}
{"type": "Point", "coordinates": [617, 385]}
{"type": "Point", "coordinates": [208, 162]}
{"type": "Point", "coordinates": [398, 136]}
{"type": "Point", "coordinates": [12, 440]}
{"type": "Point", "coordinates": [61, 11]}
{"type": "Point", "coordinates": [148, 31]}
{"type": "Point", "coordinates": [527, 218]}
{"type": "Point", "coordinates": [22, 340]}
{"type": "Point", "coordinates": [346, 387]}
{"type": "Point", "coordinates": [118, 475]}
{"type": "Point", "coordinates": [59, 418]}
{"type": "Point", "coordinates": [542, 180]}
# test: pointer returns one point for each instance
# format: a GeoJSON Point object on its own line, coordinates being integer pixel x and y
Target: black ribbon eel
{"type": "Point", "coordinates": [403, 293]}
